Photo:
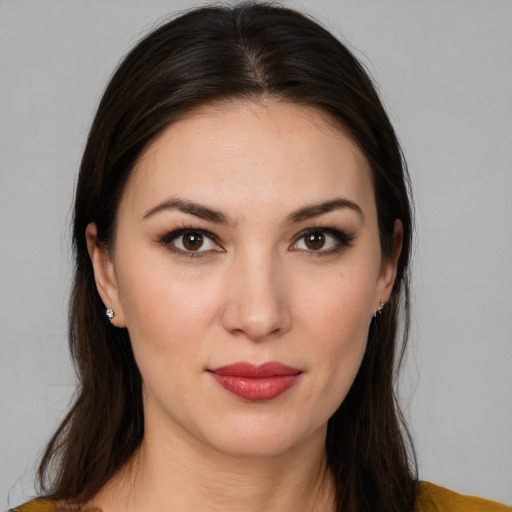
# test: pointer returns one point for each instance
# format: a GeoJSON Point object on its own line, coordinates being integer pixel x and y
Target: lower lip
{"type": "Point", "coordinates": [256, 389]}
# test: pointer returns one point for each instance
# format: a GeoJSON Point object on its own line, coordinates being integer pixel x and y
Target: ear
{"type": "Point", "coordinates": [104, 275]}
{"type": "Point", "coordinates": [389, 265]}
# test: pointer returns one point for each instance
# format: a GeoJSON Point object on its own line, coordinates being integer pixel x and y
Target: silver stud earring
{"type": "Point", "coordinates": [378, 311]}
{"type": "Point", "coordinates": [110, 314]}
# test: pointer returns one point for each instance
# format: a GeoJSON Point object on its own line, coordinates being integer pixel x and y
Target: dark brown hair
{"type": "Point", "coordinates": [207, 55]}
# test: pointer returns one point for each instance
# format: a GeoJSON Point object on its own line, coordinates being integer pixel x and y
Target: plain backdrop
{"type": "Point", "coordinates": [444, 69]}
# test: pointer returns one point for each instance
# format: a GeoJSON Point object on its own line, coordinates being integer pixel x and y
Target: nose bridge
{"type": "Point", "coordinates": [256, 302]}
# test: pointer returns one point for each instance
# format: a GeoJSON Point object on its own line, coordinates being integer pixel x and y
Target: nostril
{"type": "Point", "coordinates": [257, 323]}
{"type": "Point", "coordinates": [256, 301]}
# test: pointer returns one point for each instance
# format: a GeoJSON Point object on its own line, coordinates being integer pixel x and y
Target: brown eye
{"type": "Point", "coordinates": [322, 241]}
{"type": "Point", "coordinates": [192, 241]}
{"type": "Point", "coordinates": [315, 241]}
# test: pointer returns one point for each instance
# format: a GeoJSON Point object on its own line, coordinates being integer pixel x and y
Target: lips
{"type": "Point", "coordinates": [256, 383]}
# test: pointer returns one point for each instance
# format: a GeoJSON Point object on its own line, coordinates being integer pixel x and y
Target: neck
{"type": "Point", "coordinates": [187, 476]}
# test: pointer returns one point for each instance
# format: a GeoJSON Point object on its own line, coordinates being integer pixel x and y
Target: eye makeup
{"type": "Point", "coordinates": [191, 242]}
{"type": "Point", "coordinates": [322, 241]}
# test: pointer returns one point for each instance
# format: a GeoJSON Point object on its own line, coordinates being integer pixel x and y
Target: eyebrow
{"type": "Point", "coordinates": [315, 210]}
{"type": "Point", "coordinates": [191, 208]}
{"type": "Point", "coordinates": [206, 213]}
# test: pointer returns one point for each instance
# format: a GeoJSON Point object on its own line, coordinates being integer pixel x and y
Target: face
{"type": "Point", "coordinates": [246, 268]}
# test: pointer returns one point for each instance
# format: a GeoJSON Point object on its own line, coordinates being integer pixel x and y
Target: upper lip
{"type": "Point", "coordinates": [256, 371]}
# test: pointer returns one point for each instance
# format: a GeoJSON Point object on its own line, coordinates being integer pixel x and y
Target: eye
{"type": "Point", "coordinates": [322, 240]}
{"type": "Point", "coordinates": [315, 241]}
{"type": "Point", "coordinates": [189, 241]}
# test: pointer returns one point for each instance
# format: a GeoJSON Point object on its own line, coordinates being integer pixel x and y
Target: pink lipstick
{"type": "Point", "coordinates": [256, 383]}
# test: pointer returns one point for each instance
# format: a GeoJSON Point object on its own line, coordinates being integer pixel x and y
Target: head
{"type": "Point", "coordinates": [245, 73]}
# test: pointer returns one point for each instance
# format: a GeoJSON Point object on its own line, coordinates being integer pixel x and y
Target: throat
{"type": "Point", "coordinates": [277, 484]}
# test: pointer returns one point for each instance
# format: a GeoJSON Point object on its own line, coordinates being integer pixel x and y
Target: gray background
{"type": "Point", "coordinates": [445, 72]}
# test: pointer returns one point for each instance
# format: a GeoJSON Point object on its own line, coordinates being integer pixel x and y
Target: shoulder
{"type": "Point", "coordinates": [41, 505]}
{"type": "Point", "coordinates": [48, 505]}
{"type": "Point", "coordinates": [433, 498]}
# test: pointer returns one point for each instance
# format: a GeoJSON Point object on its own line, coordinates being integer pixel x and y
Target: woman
{"type": "Point", "coordinates": [242, 233]}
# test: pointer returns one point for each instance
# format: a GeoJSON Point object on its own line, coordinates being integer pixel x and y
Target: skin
{"type": "Point", "coordinates": [256, 294]}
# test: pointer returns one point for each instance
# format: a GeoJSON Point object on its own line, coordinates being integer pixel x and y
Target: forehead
{"type": "Point", "coordinates": [252, 153]}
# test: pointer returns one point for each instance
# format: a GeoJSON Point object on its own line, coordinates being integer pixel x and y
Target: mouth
{"type": "Point", "coordinates": [256, 383]}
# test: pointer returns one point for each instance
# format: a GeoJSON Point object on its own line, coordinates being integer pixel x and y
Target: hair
{"type": "Point", "coordinates": [209, 55]}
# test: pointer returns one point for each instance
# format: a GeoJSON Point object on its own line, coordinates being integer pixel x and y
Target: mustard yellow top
{"type": "Point", "coordinates": [431, 498]}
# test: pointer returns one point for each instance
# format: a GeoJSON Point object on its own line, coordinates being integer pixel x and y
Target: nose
{"type": "Point", "coordinates": [256, 298]}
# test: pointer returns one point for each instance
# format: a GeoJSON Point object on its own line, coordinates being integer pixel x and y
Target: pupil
{"type": "Point", "coordinates": [193, 241]}
{"type": "Point", "coordinates": [315, 241]}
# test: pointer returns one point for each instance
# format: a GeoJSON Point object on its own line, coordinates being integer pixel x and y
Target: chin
{"type": "Point", "coordinates": [264, 437]}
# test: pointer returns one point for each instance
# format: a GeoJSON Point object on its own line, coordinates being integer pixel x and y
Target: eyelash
{"type": "Point", "coordinates": [167, 240]}
{"type": "Point", "coordinates": [343, 238]}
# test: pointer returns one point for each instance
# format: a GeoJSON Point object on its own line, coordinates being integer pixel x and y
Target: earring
{"type": "Point", "coordinates": [378, 311]}
{"type": "Point", "coordinates": [110, 314]}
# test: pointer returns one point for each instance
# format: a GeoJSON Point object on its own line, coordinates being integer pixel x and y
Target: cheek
{"type": "Point", "coordinates": [336, 319]}
{"type": "Point", "coordinates": [165, 310]}
{"type": "Point", "coordinates": [168, 317]}
{"type": "Point", "coordinates": [342, 341]}
{"type": "Point", "coordinates": [339, 302]}
{"type": "Point", "coordinates": [343, 353]}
